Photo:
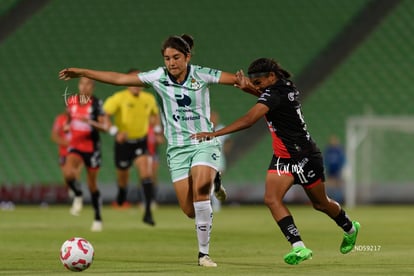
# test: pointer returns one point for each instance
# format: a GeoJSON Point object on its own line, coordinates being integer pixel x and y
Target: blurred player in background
{"type": "Point", "coordinates": [60, 134]}
{"type": "Point", "coordinates": [296, 158]}
{"type": "Point", "coordinates": [132, 110]}
{"type": "Point", "coordinates": [154, 139]}
{"type": "Point", "coordinates": [84, 147]}
{"type": "Point", "coordinates": [183, 89]}
{"type": "Point", "coordinates": [334, 157]}
{"type": "Point", "coordinates": [226, 144]}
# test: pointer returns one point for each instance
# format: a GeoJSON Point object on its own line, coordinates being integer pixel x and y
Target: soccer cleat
{"type": "Point", "coordinates": [97, 226]}
{"type": "Point", "coordinates": [77, 206]}
{"type": "Point", "coordinates": [349, 240]}
{"type": "Point", "coordinates": [71, 194]}
{"type": "Point", "coordinates": [148, 219]}
{"type": "Point", "coordinates": [219, 190]}
{"type": "Point", "coordinates": [124, 206]}
{"type": "Point", "coordinates": [298, 255]}
{"type": "Point", "coordinates": [206, 261]}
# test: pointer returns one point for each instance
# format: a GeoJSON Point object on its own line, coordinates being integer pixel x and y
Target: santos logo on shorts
{"type": "Point", "coordinates": [215, 156]}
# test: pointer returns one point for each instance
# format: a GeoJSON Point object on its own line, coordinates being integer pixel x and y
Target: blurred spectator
{"type": "Point", "coordinates": [334, 157]}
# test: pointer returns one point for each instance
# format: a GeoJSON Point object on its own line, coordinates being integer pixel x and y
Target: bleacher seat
{"type": "Point", "coordinates": [116, 35]}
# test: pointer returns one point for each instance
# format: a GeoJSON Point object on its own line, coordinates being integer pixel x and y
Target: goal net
{"type": "Point", "coordinates": [380, 160]}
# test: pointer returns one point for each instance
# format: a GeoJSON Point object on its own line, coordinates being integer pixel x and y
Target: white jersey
{"type": "Point", "coordinates": [222, 139]}
{"type": "Point", "coordinates": [185, 107]}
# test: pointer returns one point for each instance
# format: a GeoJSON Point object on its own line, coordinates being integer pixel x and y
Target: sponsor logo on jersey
{"type": "Point", "coordinates": [183, 100]}
{"type": "Point", "coordinates": [177, 117]}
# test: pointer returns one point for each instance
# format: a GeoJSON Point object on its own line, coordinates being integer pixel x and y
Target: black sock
{"type": "Point", "coordinates": [343, 221]}
{"type": "Point", "coordinates": [73, 185]}
{"type": "Point", "coordinates": [200, 255]}
{"type": "Point", "coordinates": [289, 229]}
{"type": "Point", "coordinates": [217, 182]}
{"type": "Point", "coordinates": [148, 193]}
{"type": "Point", "coordinates": [122, 193]}
{"type": "Point", "coordinates": [96, 204]}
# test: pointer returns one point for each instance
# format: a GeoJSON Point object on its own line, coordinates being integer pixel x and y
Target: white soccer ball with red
{"type": "Point", "coordinates": [77, 254]}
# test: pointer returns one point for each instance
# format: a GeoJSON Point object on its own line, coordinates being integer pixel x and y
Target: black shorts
{"type": "Point", "coordinates": [92, 160]}
{"type": "Point", "coordinates": [307, 171]}
{"type": "Point", "coordinates": [127, 152]}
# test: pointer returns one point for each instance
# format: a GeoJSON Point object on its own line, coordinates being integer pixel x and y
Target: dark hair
{"type": "Point", "coordinates": [266, 65]}
{"type": "Point", "coordinates": [183, 43]}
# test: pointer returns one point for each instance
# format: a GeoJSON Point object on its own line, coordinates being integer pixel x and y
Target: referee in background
{"type": "Point", "coordinates": [132, 109]}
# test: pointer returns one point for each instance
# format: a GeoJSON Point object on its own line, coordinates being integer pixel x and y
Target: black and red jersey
{"type": "Point", "coordinates": [61, 126]}
{"type": "Point", "coordinates": [85, 138]}
{"type": "Point", "coordinates": [285, 121]}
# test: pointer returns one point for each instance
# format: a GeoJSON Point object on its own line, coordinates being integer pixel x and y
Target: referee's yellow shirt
{"type": "Point", "coordinates": [131, 113]}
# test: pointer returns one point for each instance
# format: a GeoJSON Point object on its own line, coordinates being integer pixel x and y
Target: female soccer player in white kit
{"type": "Point", "coordinates": [185, 107]}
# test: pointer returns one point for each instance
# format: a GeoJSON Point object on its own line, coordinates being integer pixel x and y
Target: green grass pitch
{"type": "Point", "coordinates": [245, 241]}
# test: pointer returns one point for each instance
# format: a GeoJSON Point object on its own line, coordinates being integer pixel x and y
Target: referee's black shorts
{"type": "Point", "coordinates": [127, 152]}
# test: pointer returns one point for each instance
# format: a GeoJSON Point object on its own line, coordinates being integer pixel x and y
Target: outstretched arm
{"type": "Point", "coordinates": [102, 76]}
{"type": "Point", "coordinates": [251, 117]}
{"type": "Point", "coordinates": [240, 81]}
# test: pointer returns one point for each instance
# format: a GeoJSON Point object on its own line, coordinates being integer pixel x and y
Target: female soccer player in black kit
{"type": "Point", "coordinates": [296, 158]}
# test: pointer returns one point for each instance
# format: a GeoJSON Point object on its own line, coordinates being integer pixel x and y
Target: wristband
{"type": "Point", "coordinates": [157, 129]}
{"type": "Point", "coordinates": [113, 130]}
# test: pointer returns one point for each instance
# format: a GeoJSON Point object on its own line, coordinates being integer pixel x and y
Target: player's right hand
{"type": "Point", "coordinates": [121, 137]}
{"type": "Point", "coordinates": [69, 73]}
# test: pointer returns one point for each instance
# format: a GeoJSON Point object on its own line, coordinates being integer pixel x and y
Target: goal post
{"type": "Point", "coordinates": [380, 160]}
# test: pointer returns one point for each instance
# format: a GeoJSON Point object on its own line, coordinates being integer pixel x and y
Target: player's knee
{"type": "Point", "coordinates": [272, 201]}
{"type": "Point", "coordinates": [69, 174]}
{"type": "Point", "coordinates": [268, 201]}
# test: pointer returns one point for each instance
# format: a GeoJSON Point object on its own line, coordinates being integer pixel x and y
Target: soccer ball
{"type": "Point", "coordinates": [77, 254]}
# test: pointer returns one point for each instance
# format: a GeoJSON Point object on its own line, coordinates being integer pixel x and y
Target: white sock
{"type": "Point", "coordinates": [204, 221]}
{"type": "Point", "coordinates": [298, 244]}
{"type": "Point", "coordinates": [352, 230]}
